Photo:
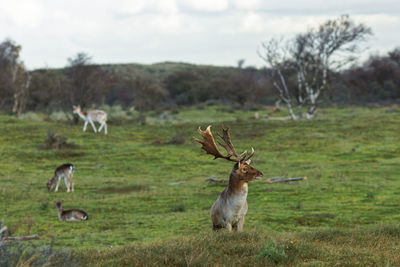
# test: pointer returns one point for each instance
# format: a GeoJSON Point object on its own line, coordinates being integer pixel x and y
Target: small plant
{"type": "Point", "coordinates": [278, 253]}
{"type": "Point", "coordinates": [59, 116]}
{"type": "Point", "coordinates": [54, 141]}
{"type": "Point", "coordinates": [178, 208]}
{"type": "Point", "coordinates": [44, 205]}
{"type": "Point", "coordinates": [28, 254]}
{"type": "Point", "coordinates": [178, 139]}
{"type": "Point", "coordinates": [370, 195]}
{"type": "Point", "coordinates": [273, 252]}
{"type": "Point", "coordinates": [141, 119]}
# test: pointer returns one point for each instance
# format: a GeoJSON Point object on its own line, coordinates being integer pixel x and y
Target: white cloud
{"type": "Point", "coordinates": [378, 20]}
{"type": "Point", "coordinates": [264, 23]}
{"type": "Point", "coordinates": [205, 5]}
{"type": "Point", "coordinates": [199, 31]}
{"type": "Point", "coordinates": [22, 13]}
{"type": "Point", "coordinates": [247, 4]}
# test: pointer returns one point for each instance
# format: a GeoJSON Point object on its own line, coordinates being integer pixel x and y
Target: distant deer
{"type": "Point", "coordinates": [66, 172]}
{"type": "Point", "coordinates": [91, 116]}
{"type": "Point", "coordinates": [229, 210]}
{"type": "Point", "coordinates": [70, 215]}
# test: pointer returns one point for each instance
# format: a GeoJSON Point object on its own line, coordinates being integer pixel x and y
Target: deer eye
{"type": "Point", "coordinates": [244, 169]}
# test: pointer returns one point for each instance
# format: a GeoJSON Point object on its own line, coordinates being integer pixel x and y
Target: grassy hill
{"type": "Point", "coordinates": [148, 201]}
{"type": "Point", "coordinates": [159, 70]}
{"type": "Point", "coordinates": [164, 69]}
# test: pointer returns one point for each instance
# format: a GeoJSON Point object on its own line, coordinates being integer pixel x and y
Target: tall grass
{"type": "Point", "coordinates": [365, 246]}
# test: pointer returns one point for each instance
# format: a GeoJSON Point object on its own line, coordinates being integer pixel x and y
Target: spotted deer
{"type": "Point", "coordinates": [230, 208]}
{"type": "Point", "coordinates": [91, 116]}
{"type": "Point", "coordinates": [70, 215]}
{"type": "Point", "coordinates": [66, 172]}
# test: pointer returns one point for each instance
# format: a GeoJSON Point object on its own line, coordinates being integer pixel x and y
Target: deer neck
{"type": "Point", "coordinates": [60, 211]}
{"type": "Point", "coordinates": [53, 179]}
{"type": "Point", "coordinates": [236, 185]}
{"type": "Point", "coordinates": [82, 114]}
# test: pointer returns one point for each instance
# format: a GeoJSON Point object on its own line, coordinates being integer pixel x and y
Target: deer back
{"type": "Point", "coordinates": [65, 169]}
{"type": "Point", "coordinates": [70, 215]}
{"type": "Point", "coordinates": [97, 115]}
{"type": "Point", "coordinates": [73, 215]}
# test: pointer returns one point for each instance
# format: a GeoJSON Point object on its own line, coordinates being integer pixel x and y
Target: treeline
{"type": "Point", "coordinates": [144, 87]}
{"type": "Point", "coordinates": [167, 85]}
{"type": "Point", "coordinates": [377, 80]}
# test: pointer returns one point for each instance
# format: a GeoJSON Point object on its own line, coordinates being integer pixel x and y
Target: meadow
{"type": "Point", "coordinates": [143, 186]}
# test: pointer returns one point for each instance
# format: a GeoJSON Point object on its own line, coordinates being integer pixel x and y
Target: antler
{"type": "Point", "coordinates": [226, 136]}
{"type": "Point", "coordinates": [246, 158]}
{"type": "Point", "coordinates": [210, 146]}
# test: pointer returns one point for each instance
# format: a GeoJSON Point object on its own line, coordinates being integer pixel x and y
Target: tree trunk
{"type": "Point", "coordinates": [290, 109]}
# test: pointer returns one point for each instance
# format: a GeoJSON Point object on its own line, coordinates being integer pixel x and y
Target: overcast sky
{"type": "Point", "coordinates": [218, 32]}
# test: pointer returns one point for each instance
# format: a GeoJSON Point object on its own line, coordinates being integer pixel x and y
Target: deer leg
{"type": "Point", "coordinates": [84, 126]}
{"type": "Point", "coordinates": [239, 226]}
{"type": "Point", "coordinates": [72, 181]}
{"type": "Point", "coordinates": [101, 127]}
{"type": "Point", "coordinates": [105, 128]}
{"type": "Point", "coordinates": [66, 183]}
{"type": "Point", "coordinates": [94, 127]}
{"type": "Point", "coordinates": [58, 183]}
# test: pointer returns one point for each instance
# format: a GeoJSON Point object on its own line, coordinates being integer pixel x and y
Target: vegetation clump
{"type": "Point", "coordinates": [55, 141]}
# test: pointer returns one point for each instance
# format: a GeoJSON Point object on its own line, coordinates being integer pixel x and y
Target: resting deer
{"type": "Point", "coordinates": [66, 172]}
{"type": "Point", "coordinates": [91, 116]}
{"type": "Point", "coordinates": [70, 215]}
{"type": "Point", "coordinates": [229, 210]}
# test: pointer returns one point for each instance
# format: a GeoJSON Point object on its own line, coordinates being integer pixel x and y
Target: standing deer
{"type": "Point", "coordinates": [70, 215]}
{"type": "Point", "coordinates": [66, 172]}
{"type": "Point", "coordinates": [91, 116]}
{"type": "Point", "coordinates": [229, 210]}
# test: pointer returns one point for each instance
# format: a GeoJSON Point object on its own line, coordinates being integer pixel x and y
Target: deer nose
{"type": "Point", "coordinates": [261, 174]}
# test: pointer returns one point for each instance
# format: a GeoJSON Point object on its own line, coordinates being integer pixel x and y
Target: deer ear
{"type": "Point", "coordinates": [73, 106]}
{"type": "Point", "coordinates": [248, 161]}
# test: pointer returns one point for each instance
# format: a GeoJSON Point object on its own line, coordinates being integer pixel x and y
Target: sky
{"type": "Point", "coordinates": [212, 32]}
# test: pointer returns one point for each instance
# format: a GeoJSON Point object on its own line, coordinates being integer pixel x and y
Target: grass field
{"type": "Point", "coordinates": [346, 212]}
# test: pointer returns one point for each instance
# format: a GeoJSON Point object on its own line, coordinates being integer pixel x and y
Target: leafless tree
{"type": "Point", "coordinates": [311, 56]}
{"type": "Point", "coordinates": [14, 78]}
{"type": "Point", "coordinates": [87, 82]}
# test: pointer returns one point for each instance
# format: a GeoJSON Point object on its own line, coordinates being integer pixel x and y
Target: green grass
{"type": "Point", "coordinates": [350, 157]}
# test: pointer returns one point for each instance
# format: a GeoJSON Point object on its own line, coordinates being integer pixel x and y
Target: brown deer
{"type": "Point", "coordinates": [229, 210]}
{"type": "Point", "coordinates": [91, 116]}
{"type": "Point", "coordinates": [70, 215]}
{"type": "Point", "coordinates": [66, 172]}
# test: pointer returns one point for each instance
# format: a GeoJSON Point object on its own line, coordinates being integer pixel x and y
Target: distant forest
{"type": "Point", "coordinates": [169, 85]}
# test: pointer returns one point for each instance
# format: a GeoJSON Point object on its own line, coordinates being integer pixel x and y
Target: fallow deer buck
{"type": "Point", "coordinates": [91, 116]}
{"type": "Point", "coordinates": [66, 172]}
{"type": "Point", "coordinates": [229, 210]}
{"type": "Point", "coordinates": [70, 215]}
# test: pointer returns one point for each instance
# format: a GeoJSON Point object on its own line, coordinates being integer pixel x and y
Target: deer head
{"type": "Point", "coordinates": [49, 185]}
{"type": "Point", "coordinates": [245, 172]}
{"type": "Point", "coordinates": [77, 109]}
{"type": "Point", "coordinates": [59, 204]}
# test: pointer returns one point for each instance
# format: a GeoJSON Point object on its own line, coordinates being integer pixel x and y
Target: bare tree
{"type": "Point", "coordinates": [14, 78]}
{"type": "Point", "coordinates": [87, 81]}
{"type": "Point", "coordinates": [311, 56]}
